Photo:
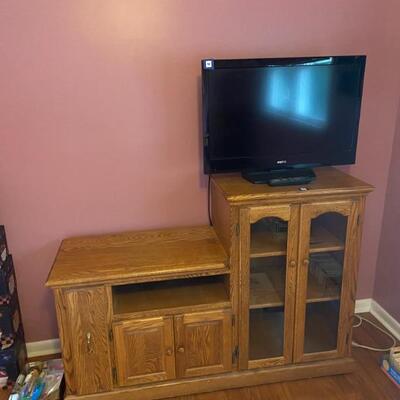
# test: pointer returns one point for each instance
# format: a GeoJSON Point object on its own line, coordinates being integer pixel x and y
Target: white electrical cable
{"type": "Point", "coordinates": [360, 321]}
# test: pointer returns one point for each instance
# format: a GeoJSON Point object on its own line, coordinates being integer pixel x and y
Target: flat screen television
{"type": "Point", "coordinates": [264, 115]}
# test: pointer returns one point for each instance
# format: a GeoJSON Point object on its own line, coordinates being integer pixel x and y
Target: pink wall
{"type": "Point", "coordinates": [99, 114]}
{"type": "Point", "coordinates": [387, 280]}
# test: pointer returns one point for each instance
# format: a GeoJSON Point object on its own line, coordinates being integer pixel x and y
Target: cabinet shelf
{"type": "Point", "coordinates": [273, 295]}
{"type": "Point", "coordinates": [269, 244]}
{"type": "Point", "coordinates": [167, 295]}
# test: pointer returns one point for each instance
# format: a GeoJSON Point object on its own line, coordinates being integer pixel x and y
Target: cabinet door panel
{"type": "Point", "coordinates": [203, 343]}
{"type": "Point", "coordinates": [268, 267]}
{"type": "Point", "coordinates": [325, 293]}
{"type": "Point", "coordinates": [144, 350]}
{"type": "Point", "coordinates": [86, 319]}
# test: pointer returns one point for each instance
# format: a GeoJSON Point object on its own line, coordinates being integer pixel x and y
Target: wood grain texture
{"type": "Point", "coordinates": [235, 279]}
{"type": "Point", "coordinates": [351, 284]}
{"type": "Point", "coordinates": [291, 288]}
{"type": "Point", "coordinates": [203, 343]}
{"type": "Point", "coordinates": [309, 212]}
{"type": "Point", "coordinates": [144, 350]}
{"type": "Point", "coordinates": [244, 283]}
{"type": "Point", "coordinates": [301, 284]}
{"type": "Point", "coordinates": [288, 290]}
{"type": "Point", "coordinates": [125, 256]}
{"type": "Point", "coordinates": [225, 219]}
{"type": "Point", "coordinates": [349, 279]}
{"type": "Point", "coordinates": [85, 316]}
{"type": "Point", "coordinates": [366, 383]}
{"type": "Point", "coordinates": [221, 217]}
{"type": "Point", "coordinates": [329, 182]}
{"type": "Point", "coordinates": [65, 339]}
{"type": "Point", "coordinates": [257, 213]}
{"type": "Point", "coordinates": [186, 339]}
{"type": "Point", "coordinates": [227, 381]}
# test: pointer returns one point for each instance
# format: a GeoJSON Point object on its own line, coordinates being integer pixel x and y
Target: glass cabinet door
{"type": "Point", "coordinates": [268, 262]}
{"type": "Point", "coordinates": [324, 259]}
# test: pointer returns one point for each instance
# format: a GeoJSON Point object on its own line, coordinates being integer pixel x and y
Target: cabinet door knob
{"type": "Point", "coordinates": [306, 262]}
{"type": "Point", "coordinates": [292, 264]}
{"type": "Point", "coordinates": [181, 349]}
{"type": "Point", "coordinates": [169, 352]}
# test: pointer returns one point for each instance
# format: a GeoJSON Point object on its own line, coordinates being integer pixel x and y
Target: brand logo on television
{"type": "Point", "coordinates": [281, 162]}
{"type": "Point", "coordinates": [208, 64]}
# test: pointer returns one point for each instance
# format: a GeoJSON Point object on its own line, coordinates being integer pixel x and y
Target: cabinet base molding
{"type": "Point", "coordinates": [226, 381]}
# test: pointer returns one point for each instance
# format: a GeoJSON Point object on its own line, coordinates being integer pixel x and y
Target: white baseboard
{"type": "Point", "coordinates": [52, 346]}
{"type": "Point", "coordinates": [43, 348]}
{"type": "Point", "coordinates": [392, 325]}
{"type": "Point", "coordinates": [370, 305]}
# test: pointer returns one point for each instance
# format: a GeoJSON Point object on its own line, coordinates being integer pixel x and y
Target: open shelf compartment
{"type": "Point", "coordinates": [171, 294]}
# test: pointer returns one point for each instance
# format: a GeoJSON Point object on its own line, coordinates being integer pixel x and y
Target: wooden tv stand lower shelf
{"type": "Point", "coordinates": [265, 295]}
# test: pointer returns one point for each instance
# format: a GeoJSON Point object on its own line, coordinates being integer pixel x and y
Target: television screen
{"type": "Point", "coordinates": [267, 113]}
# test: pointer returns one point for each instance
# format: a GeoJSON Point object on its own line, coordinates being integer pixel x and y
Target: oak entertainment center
{"type": "Point", "coordinates": [267, 294]}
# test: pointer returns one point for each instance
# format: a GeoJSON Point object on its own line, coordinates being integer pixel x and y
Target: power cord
{"type": "Point", "coordinates": [360, 321]}
{"type": "Point", "coordinates": [209, 200]}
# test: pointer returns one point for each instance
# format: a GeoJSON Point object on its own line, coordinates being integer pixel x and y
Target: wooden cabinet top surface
{"type": "Point", "coordinates": [329, 181]}
{"type": "Point", "coordinates": [128, 256]}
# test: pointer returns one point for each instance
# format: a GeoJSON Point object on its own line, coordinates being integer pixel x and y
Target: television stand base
{"type": "Point", "coordinates": [281, 177]}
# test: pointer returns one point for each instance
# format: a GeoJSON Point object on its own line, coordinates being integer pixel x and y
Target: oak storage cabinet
{"type": "Point", "coordinates": [266, 294]}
